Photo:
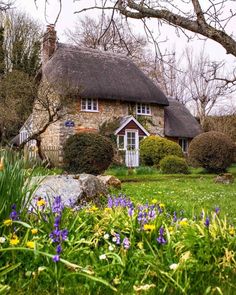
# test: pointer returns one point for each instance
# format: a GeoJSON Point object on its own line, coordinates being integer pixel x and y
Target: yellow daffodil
{"type": "Point", "coordinates": [30, 244]}
{"type": "Point", "coordinates": [34, 231]}
{"type": "Point", "coordinates": [154, 201]}
{"type": "Point", "coordinates": [41, 202]}
{"type": "Point", "coordinates": [232, 231]}
{"type": "Point", "coordinates": [14, 240]}
{"type": "Point", "coordinates": [7, 222]}
{"type": "Point", "coordinates": [140, 245]}
{"type": "Point", "coordinates": [183, 222]}
{"type": "Point", "coordinates": [170, 229]}
{"type": "Point", "coordinates": [108, 210]}
{"type": "Point", "coordinates": [1, 164]}
{"type": "Point", "coordinates": [149, 227]}
{"type": "Point", "coordinates": [162, 206]}
{"type": "Point", "coordinates": [92, 209]}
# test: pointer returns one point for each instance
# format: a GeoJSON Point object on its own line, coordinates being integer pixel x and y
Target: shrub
{"type": "Point", "coordinates": [87, 153]}
{"type": "Point", "coordinates": [213, 151]}
{"type": "Point", "coordinates": [154, 148]}
{"type": "Point", "coordinates": [173, 165]}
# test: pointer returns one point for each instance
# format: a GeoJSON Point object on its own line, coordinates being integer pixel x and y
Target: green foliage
{"type": "Point", "coordinates": [154, 148]}
{"type": "Point", "coordinates": [88, 153]}
{"type": "Point", "coordinates": [108, 128]}
{"type": "Point", "coordinates": [94, 261]}
{"type": "Point", "coordinates": [213, 151]}
{"type": "Point", "coordinates": [15, 180]}
{"type": "Point", "coordinates": [174, 165]}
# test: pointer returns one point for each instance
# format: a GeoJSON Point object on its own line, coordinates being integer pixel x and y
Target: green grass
{"type": "Point", "coordinates": [190, 193]}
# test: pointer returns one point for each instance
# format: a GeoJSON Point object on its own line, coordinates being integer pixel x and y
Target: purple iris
{"type": "Point", "coordinates": [126, 243]}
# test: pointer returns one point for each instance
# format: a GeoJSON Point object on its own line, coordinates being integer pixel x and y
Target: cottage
{"type": "Point", "coordinates": [108, 88]}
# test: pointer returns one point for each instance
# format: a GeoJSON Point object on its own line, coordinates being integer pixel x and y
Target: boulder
{"type": "Point", "coordinates": [110, 181]}
{"type": "Point", "coordinates": [73, 189]}
{"type": "Point", "coordinates": [225, 178]}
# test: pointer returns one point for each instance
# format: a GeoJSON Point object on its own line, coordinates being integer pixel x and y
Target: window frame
{"type": "Point", "coordinates": [181, 141]}
{"type": "Point", "coordinates": [147, 109]}
{"type": "Point", "coordinates": [118, 146]}
{"type": "Point", "coordinates": [85, 101]}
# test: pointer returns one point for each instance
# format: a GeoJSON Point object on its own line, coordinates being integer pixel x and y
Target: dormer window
{"type": "Point", "coordinates": [143, 109]}
{"type": "Point", "coordinates": [89, 104]}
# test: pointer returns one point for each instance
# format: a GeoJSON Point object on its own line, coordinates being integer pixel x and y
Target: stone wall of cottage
{"type": "Point", "coordinates": [56, 134]}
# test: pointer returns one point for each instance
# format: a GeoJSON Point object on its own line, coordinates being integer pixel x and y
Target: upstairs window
{"type": "Point", "coordinates": [89, 104]}
{"type": "Point", "coordinates": [143, 109]}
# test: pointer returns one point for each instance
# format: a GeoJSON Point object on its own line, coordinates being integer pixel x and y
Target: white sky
{"type": "Point", "coordinates": [68, 18]}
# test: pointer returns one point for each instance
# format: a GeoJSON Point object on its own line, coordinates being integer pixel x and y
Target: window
{"type": "Point", "coordinates": [143, 109]}
{"type": "Point", "coordinates": [89, 104]}
{"type": "Point", "coordinates": [121, 142]}
{"type": "Point", "coordinates": [183, 142]}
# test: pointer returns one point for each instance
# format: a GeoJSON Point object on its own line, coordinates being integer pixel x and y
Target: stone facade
{"type": "Point", "coordinates": [56, 134]}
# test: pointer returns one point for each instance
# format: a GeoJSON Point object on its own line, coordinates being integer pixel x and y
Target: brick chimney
{"type": "Point", "coordinates": [49, 43]}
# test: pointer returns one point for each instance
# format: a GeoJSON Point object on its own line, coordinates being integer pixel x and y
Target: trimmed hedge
{"type": "Point", "coordinates": [213, 151]}
{"type": "Point", "coordinates": [88, 153]}
{"type": "Point", "coordinates": [154, 148]}
{"type": "Point", "coordinates": [174, 165]}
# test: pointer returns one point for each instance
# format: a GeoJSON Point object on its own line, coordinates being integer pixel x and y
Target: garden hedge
{"type": "Point", "coordinates": [173, 165]}
{"type": "Point", "coordinates": [213, 151]}
{"type": "Point", "coordinates": [154, 148]}
{"type": "Point", "coordinates": [88, 153]}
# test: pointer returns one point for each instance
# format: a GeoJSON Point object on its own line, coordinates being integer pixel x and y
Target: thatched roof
{"type": "Point", "coordinates": [97, 74]}
{"type": "Point", "coordinates": [179, 122]}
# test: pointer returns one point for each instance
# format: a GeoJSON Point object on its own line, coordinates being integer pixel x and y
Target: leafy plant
{"type": "Point", "coordinates": [154, 148]}
{"type": "Point", "coordinates": [173, 165]}
{"type": "Point", "coordinates": [213, 151]}
{"type": "Point", "coordinates": [88, 153]}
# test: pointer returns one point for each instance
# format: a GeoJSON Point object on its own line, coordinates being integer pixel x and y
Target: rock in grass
{"type": "Point", "coordinates": [73, 189]}
{"type": "Point", "coordinates": [110, 181]}
{"type": "Point", "coordinates": [225, 178]}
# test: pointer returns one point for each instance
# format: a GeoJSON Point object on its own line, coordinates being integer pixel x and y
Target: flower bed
{"type": "Point", "coordinates": [123, 247]}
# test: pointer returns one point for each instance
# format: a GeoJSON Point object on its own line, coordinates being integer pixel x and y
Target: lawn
{"type": "Point", "coordinates": [191, 193]}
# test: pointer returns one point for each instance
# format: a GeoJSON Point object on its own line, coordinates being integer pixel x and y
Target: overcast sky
{"type": "Point", "coordinates": [68, 18]}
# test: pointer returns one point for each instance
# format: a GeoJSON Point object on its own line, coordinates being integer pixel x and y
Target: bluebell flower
{"type": "Point", "coordinates": [13, 215]}
{"type": "Point", "coordinates": [207, 222]}
{"type": "Point", "coordinates": [217, 210]}
{"type": "Point", "coordinates": [175, 217]}
{"type": "Point", "coordinates": [126, 243]}
{"type": "Point", "coordinates": [56, 258]}
{"type": "Point", "coordinates": [161, 240]}
{"type": "Point", "coordinates": [59, 249]}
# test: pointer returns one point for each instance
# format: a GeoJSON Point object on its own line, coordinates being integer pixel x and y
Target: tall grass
{"type": "Point", "coordinates": [15, 182]}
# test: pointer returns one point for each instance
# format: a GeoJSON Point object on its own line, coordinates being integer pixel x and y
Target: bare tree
{"type": "Point", "coordinates": [167, 72]}
{"type": "Point", "coordinates": [208, 19]}
{"type": "Point", "coordinates": [5, 5]}
{"type": "Point", "coordinates": [49, 108]}
{"type": "Point", "coordinates": [203, 92]}
{"type": "Point", "coordinates": [21, 42]}
{"type": "Point", "coordinates": [108, 35]}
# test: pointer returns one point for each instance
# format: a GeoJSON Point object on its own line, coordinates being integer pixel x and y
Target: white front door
{"type": "Point", "coordinates": [131, 148]}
